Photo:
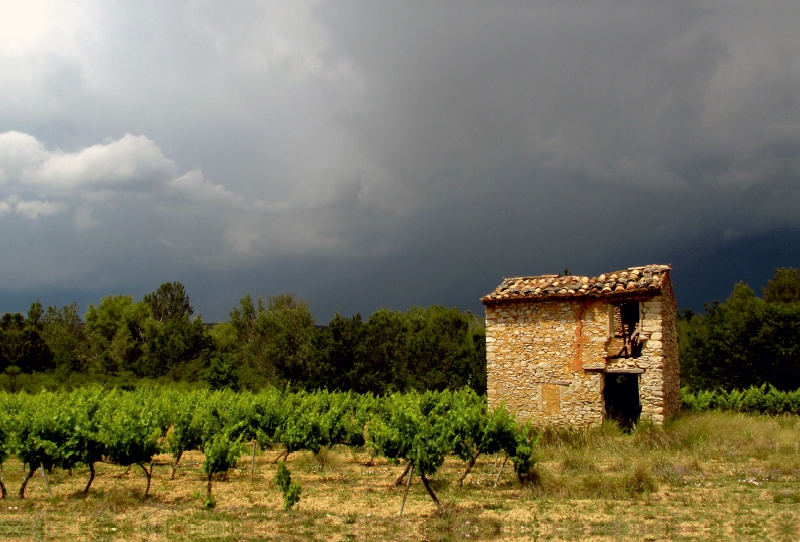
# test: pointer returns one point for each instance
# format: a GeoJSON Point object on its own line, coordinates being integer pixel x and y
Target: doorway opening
{"type": "Point", "coordinates": [621, 396]}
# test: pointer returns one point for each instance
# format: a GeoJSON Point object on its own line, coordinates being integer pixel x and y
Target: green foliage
{"type": "Point", "coordinates": [130, 425]}
{"type": "Point", "coordinates": [284, 330]}
{"type": "Point", "coordinates": [417, 428]}
{"type": "Point", "coordinates": [266, 416]}
{"type": "Point", "coordinates": [221, 373]}
{"type": "Point", "coordinates": [291, 491]}
{"type": "Point", "coordinates": [423, 349]}
{"type": "Point", "coordinates": [168, 347]}
{"type": "Point", "coordinates": [221, 453]}
{"type": "Point", "coordinates": [469, 427]}
{"type": "Point", "coordinates": [784, 287]}
{"type": "Point", "coordinates": [39, 430]}
{"type": "Point", "coordinates": [304, 428]}
{"type": "Point", "coordinates": [185, 432]}
{"type": "Point", "coordinates": [381, 360]}
{"type": "Point", "coordinates": [755, 400]}
{"type": "Point", "coordinates": [113, 328]}
{"type": "Point", "coordinates": [265, 344]}
{"type": "Point", "coordinates": [62, 330]}
{"type": "Point", "coordinates": [333, 354]}
{"type": "Point", "coordinates": [423, 428]}
{"type": "Point", "coordinates": [522, 458]}
{"type": "Point", "coordinates": [81, 439]}
{"type": "Point", "coordinates": [478, 431]}
{"type": "Point", "coordinates": [434, 348]}
{"type": "Point", "coordinates": [5, 428]}
{"type": "Point", "coordinates": [22, 348]}
{"type": "Point", "coordinates": [446, 349]}
{"type": "Point", "coordinates": [55, 430]}
{"type": "Point", "coordinates": [51, 430]}
{"type": "Point", "coordinates": [153, 338]}
{"type": "Point", "coordinates": [169, 302]}
{"type": "Point", "coordinates": [746, 341]}
{"type": "Point", "coordinates": [62, 430]}
{"type": "Point", "coordinates": [273, 340]}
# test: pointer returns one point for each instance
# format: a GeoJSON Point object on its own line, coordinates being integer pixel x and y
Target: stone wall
{"type": "Point", "coordinates": [651, 381]}
{"type": "Point", "coordinates": [545, 359]}
{"type": "Point", "coordinates": [535, 352]}
{"type": "Point", "coordinates": [672, 367]}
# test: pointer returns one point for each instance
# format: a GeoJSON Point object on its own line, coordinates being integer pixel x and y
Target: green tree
{"type": "Point", "coordinates": [776, 346]}
{"type": "Point", "coordinates": [62, 330]}
{"type": "Point", "coordinates": [179, 348]}
{"type": "Point", "coordinates": [381, 360]}
{"type": "Point", "coordinates": [274, 340]}
{"type": "Point", "coordinates": [784, 287]}
{"type": "Point", "coordinates": [424, 349]}
{"type": "Point", "coordinates": [719, 345]}
{"type": "Point", "coordinates": [243, 319]}
{"type": "Point", "coordinates": [746, 341]}
{"type": "Point", "coordinates": [21, 344]}
{"type": "Point", "coordinates": [169, 302]}
{"type": "Point", "coordinates": [333, 363]}
{"type": "Point", "coordinates": [114, 329]}
{"type": "Point", "coordinates": [221, 373]}
{"type": "Point", "coordinates": [127, 336]}
{"type": "Point", "coordinates": [285, 330]}
{"type": "Point", "coordinates": [446, 349]}
{"type": "Point", "coordinates": [171, 342]}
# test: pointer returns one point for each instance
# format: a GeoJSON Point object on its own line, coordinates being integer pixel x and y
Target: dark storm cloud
{"type": "Point", "coordinates": [368, 155]}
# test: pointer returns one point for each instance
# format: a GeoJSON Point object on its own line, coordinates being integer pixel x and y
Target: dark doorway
{"type": "Point", "coordinates": [621, 395]}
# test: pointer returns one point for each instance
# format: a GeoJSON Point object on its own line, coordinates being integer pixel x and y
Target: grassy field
{"type": "Point", "coordinates": [705, 476]}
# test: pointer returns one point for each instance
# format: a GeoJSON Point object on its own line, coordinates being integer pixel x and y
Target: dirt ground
{"type": "Point", "coordinates": [606, 488]}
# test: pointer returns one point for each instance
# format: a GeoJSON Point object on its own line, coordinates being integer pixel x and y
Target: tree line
{"type": "Point", "coordinates": [273, 342]}
{"type": "Point", "coordinates": [746, 340]}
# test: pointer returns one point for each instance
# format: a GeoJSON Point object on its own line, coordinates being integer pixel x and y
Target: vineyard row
{"type": "Point", "coordinates": [64, 430]}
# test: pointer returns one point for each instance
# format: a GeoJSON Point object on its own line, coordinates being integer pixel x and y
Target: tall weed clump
{"type": "Point", "coordinates": [640, 481]}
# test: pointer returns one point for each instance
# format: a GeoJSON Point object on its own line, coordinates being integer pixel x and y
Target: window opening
{"type": "Point", "coordinates": [625, 322]}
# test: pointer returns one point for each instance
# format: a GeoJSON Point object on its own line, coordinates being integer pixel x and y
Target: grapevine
{"type": "Point", "coordinates": [62, 430]}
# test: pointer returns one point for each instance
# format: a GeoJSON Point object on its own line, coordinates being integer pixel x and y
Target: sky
{"type": "Point", "coordinates": [368, 155]}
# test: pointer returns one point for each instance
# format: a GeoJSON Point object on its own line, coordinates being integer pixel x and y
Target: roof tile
{"type": "Point", "coordinates": [625, 282]}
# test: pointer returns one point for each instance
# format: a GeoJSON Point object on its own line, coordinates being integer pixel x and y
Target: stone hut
{"type": "Point", "coordinates": [571, 350]}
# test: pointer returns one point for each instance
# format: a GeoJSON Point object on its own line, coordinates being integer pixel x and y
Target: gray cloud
{"type": "Point", "coordinates": [377, 155]}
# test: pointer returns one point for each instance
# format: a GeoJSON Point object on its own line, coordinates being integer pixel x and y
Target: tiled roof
{"type": "Point", "coordinates": [634, 280]}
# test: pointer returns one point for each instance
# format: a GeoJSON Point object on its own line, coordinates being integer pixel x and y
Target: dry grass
{"type": "Point", "coordinates": [705, 476]}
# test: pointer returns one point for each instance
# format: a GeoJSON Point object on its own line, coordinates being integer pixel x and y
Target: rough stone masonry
{"type": "Point", "coordinates": [553, 341]}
